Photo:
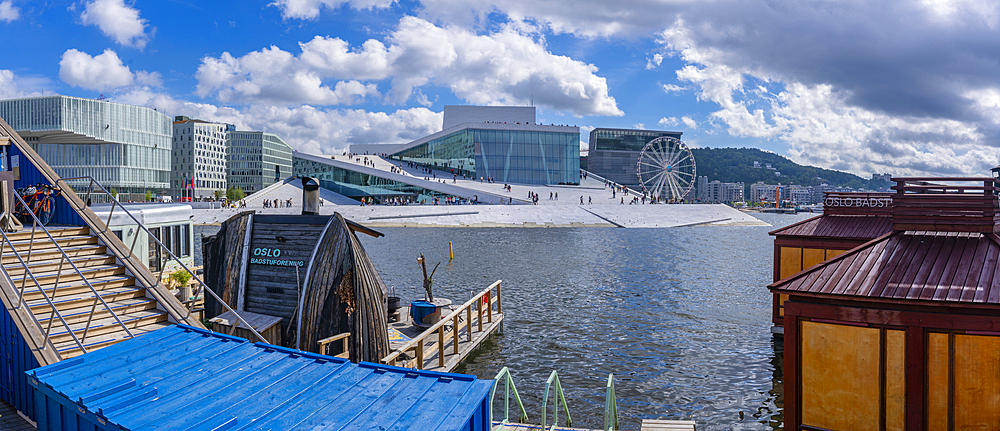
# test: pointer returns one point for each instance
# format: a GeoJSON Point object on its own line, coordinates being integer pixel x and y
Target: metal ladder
{"type": "Point", "coordinates": [610, 404]}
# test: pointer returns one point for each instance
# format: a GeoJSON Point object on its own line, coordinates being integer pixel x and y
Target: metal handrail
{"type": "Point", "coordinates": [555, 410]}
{"type": "Point", "coordinates": [201, 284]}
{"type": "Point", "coordinates": [508, 386]}
{"type": "Point", "coordinates": [65, 258]}
{"type": "Point", "coordinates": [20, 299]}
{"type": "Point", "coordinates": [610, 406]}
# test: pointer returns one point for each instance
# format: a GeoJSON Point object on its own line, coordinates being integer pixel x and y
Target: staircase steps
{"type": "Point", "coordinates": [52, 253]}
{"type": "Point", "coordinates": [72, 296]}
{"type": "Point", "coordinates": [56, 232]}
{"type": "Point", "coordinates": [69, 349]}
{"type": "Point", "coordinates": [44, 244]}
{"type": "Point", "coordinates": [81, 314]}
{"type": "Point", "coordinates": [49, 277]}
{"type": "Point", "coordinates": [52, 264]}
{"type": "Point", "coordinates": [31, 293]}
{"type": "Point", "coordinates": [67, 302]}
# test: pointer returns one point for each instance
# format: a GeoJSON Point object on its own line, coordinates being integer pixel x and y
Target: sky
{"type": "Point", "coordinates": [910, 88]}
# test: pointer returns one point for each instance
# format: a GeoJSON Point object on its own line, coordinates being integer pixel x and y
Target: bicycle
{"type": "Point", "coordinates": [41, 202]}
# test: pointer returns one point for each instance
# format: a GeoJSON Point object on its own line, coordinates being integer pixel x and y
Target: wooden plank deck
{"type": "Point", "coordinates": [465, 346]}
{"type": "Point", "coordinates": [667, 425]}
{"type": "Point", "coordinates": [444, 345]}
{"type": "Point", "coordinates": [11, 421]}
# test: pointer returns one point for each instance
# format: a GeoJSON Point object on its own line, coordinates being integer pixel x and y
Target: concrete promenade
{"type": "Point", "coordinates": [558, 206]}
{"type": "Point", "coordinates": [631, 216]}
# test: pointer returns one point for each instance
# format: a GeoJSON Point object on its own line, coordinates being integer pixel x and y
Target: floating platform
{"type": "Point", "coordinates": [444, 345]}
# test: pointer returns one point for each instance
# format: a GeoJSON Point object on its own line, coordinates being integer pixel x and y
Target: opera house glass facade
{"type": "Point", "coordinates": [344, 179]}
{"type": "Point", "coordinates": [508, 156]}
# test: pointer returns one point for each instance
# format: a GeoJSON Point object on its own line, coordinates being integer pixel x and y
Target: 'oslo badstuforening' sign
{"type": "Point", "coordinates": [271, 256]}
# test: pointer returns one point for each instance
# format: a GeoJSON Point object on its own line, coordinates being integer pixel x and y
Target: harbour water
{"type": "Point", "coordinates": [681, 316]}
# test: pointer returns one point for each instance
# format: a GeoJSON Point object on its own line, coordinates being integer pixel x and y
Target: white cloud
{"type": "Point", "coordinates": [668, 121]}
{"type": "Point", "coordinates": [639, 126]}
{"type": "Point", "coordinates": [504, 67]}
{"type": "Point", "coordinates": [654, 61]}
{"type": "Point", "coordinates": [9, 12]}
{"type": "Point", "coordinates": [103, 72]}
{"type": "Point", "coordinates": [672, 88]}
{"type": "Point", "coordinates": [689, 122]}
{"type": "Point", "coordinates": [152, 79]}
{"type": "Point", "coordinates": [306, 128]}
{"type": "Point", "coordinates": [309, 9]}
{"type": "Point", "coordinates": [13, 86]}
{"type": "Point", "coordinates": [117, 21]}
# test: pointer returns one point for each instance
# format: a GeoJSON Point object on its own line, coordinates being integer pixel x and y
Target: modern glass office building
{"type": "Point", "coordinates": [124, 147]}
{"type": "Point", "coordinates": [614, 152]}
{"type": "Point", "coordinates": [199, 158]}
{"type": "Point", "coordinates": [255, 160]}
{"type": "Point", "coordinates": [509, 148]}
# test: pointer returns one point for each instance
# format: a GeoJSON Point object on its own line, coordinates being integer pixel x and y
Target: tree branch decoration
{"type": "Point", "coordinates": [428, 283]}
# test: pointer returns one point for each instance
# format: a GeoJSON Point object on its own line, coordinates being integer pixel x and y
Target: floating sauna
{"type": "Point", "coordinates": [311, 271]}
{"type": "Point", "coordinates": [848, 220]}
{"type": "Point", "coordinates": [903, 332]}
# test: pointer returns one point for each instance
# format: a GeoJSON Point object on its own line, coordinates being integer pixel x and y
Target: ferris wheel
{"type": "Point", "coordinates": [666, 169]}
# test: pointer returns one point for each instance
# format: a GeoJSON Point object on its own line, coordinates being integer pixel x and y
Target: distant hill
{"type": "Point", "coordinates": [733, 165]}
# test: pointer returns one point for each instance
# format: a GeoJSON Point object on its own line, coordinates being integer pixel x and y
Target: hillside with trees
{"type": "Point", "coordinates": [733, 165]}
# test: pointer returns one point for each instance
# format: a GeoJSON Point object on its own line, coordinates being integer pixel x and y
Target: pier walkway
{"type": "Point", "coordinates": [444, 345]}
{"type": "Point", "coordinates": [11, 421]}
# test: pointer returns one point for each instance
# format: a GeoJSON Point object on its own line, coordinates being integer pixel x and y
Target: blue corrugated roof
{"type": "Point", "coordinates": [186, 378]}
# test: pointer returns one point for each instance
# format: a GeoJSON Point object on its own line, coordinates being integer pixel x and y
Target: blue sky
{"type": "Point", "coordinates": [909, 88]}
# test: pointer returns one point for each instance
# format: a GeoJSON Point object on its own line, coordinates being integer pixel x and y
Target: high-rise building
{"type": "Point", "coordinates": [199, 158]}
{"type": "Point", "coordinates": [126, 148]}
{"type": "Point", "coordinates": [614, 153]}
{"type": "Point", "coordinates": [255, 160]}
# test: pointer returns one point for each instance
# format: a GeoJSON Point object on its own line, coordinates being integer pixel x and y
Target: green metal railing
{"type": "Point", "coordinates": [610, 402]}
{"type": "Point", "coordinates": [559, 396]}
{"type": "Point", "coordinates": [610, 406]}
{"type": "Point", "coordinates": [508, 387]}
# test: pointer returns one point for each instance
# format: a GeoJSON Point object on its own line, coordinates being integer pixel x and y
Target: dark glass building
{"type": "Point", "coordinates": [615, 152]}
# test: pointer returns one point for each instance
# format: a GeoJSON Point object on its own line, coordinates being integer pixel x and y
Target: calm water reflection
{"type": "Point", "coordinates": [680, 316]}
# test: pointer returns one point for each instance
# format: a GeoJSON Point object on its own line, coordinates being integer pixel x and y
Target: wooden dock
{"type": "Point", "coordinates": [11, 421]}
{"type": "Point", "coordinates": [667, 425]}
{"type": "Point", "coordinates": [445, 344]}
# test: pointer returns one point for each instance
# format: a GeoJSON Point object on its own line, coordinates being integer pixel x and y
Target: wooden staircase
{"type": "Point", "coordinates": [72, 296]}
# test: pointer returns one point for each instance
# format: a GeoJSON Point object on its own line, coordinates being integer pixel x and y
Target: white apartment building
{"type": "Point", "coordinates": [719, 192]}
{"type": "Point", "coordinates": [199, 158]}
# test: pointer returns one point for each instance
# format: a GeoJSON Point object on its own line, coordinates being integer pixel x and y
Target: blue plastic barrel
{"type": "Point", "coordinates": [421, 310]}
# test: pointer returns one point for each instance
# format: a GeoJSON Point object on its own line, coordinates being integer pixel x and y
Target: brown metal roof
{"type": "Point", "coordinates": [929, 266]}
{"type": "Point", "coordinates": [839, 226]}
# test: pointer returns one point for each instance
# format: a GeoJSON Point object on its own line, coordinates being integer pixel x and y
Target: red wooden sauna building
{"type": "Point", "coordinates": [903, 332]}
{"type": "Point", "coordinates": [848, 220]}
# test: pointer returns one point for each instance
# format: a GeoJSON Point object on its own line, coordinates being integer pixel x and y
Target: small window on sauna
{"type": "Point", "coordinates": [176, 247]}
{"type": "Point", "coordinates": [185, 240]}
{"type": "Point", "coordinates": [117, 233]}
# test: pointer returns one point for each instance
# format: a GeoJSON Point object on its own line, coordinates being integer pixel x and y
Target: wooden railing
{"type": "Point", "coordinates": [471, 317]}
{"type": "Point", "coordinates": [926, 204]}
